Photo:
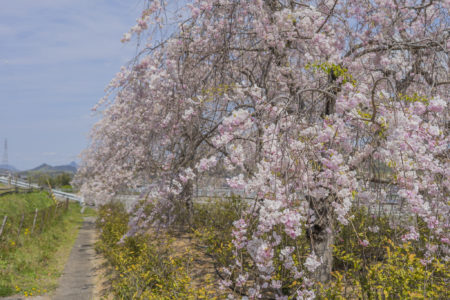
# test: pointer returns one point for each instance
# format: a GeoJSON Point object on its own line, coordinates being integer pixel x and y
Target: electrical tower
{"type": "Point", "coordinates": [5, 153]}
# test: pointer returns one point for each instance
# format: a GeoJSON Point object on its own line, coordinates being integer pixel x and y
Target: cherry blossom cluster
{"type": "Point", "coordinates": [300, 104]}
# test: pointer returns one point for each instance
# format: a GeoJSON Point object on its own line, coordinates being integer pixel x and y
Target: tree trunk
{"type": "Point", "coordinates": [322, 230]}
{"type": "Point", "coordinates": [186, 198]}
{"type": "Point", "coordinates": [324, 251]}
{"type": "Point", "coordinates": [321, 235]}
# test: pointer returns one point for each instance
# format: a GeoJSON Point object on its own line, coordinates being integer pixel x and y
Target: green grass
{"type": "Point", "coordinates": [16, 204]}
{"type": "Point", "coordinates": [35, 264]}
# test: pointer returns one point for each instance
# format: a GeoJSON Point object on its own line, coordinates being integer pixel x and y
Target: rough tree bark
{"type": "Point", "coordinates": [321, 232]}
{"type": "Point", "coordinates": [186, 199]}
{"type": "Point", "coordinates": [321, 236]}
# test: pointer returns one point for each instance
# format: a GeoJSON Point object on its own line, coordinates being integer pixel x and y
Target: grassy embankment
{"type": "Point", "coordinates": [32, 264]}
{"type": "Point", "coordinates": [17, 204]}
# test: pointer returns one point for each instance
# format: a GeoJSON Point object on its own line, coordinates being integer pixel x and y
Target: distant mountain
{"type": "Point", "coordinates": [46, 168]}
{"type": "Point", "coordinates": [66, 168]}
{"type": "Point", "coordinates": [43, 168]}
{"type": "Point", "coordinates": [74, 164]}
{"type": "Point", "coordinates": [8, 168]}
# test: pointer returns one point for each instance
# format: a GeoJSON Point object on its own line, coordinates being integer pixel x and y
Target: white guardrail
{"type": "Point", "coordinates": [200, 196]}
{"type": "Point", "coordinates": [57, 193]}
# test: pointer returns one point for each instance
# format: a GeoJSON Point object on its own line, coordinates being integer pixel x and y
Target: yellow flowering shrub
{"type": "Point", "coordinates": [385, 267]}
{"type": "Point", "coordinates": [144, 266]}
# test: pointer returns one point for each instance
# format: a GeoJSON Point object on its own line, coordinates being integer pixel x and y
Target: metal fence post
{"type": "Point", "coordinates": [5, 218]}
{"type": "Point", "coordinates": [20, 225]}
{"type": "Point", "coordinates": [34, 220]}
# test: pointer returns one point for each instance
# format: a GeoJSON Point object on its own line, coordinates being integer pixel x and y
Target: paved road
{"type": "Point", "coordinates": [77, 280]}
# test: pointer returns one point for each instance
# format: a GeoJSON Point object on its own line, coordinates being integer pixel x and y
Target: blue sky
{"type": "Point", "coordinates": [56, 58]}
